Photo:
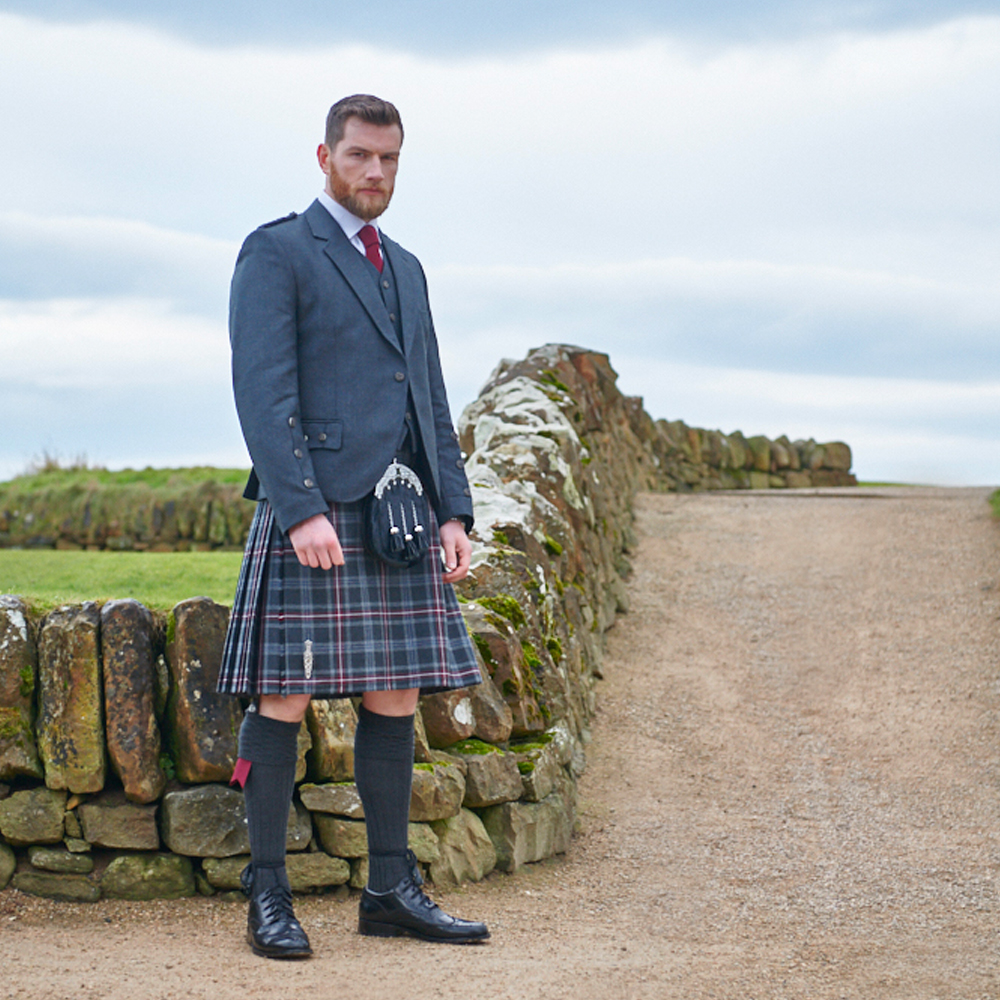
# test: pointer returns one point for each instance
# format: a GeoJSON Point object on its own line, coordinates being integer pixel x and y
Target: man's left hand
{"type": "Point", "coordinates": [457, 551]}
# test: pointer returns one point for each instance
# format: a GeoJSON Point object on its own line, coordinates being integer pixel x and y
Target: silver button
{"type": "Point", "coordinates": [400, 377]}
{"type": "Point", "coordinates": [291, 421]}
{"type": "Point", "coordinates": [322, 437]}
{"type": "Point", "coordinates": [392, 317]}
{"type": "Point", "coordinates": [385, 283]}
{"type": "Point", "coordinates": [467, 491]}
{"type": "Point", "coordinates": [409, 416]}
{"type": "Point", "coordinates": [305, 437]}
{"type": "Point", "coordinates": [459, 462]}
{"type": "Point", "coordinates": [309, 483]}
{"type": "Point", "coordinates": [298, 452]}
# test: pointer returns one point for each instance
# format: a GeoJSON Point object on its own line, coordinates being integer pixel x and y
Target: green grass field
{"type": "Point", "coordinates": [46, 578]}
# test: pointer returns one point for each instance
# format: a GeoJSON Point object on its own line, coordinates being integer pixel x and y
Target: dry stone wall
{"type": "Point", "coordinates": [115, 750]}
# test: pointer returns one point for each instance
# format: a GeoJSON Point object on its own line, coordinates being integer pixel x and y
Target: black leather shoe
{"type": "Point", "coordinates": [272, 930]}
{"type": "Point", "coordinates": [406, 910]}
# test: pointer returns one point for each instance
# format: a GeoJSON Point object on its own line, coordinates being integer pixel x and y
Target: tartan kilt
{"type": "Point", "coordinates": [363, 626]}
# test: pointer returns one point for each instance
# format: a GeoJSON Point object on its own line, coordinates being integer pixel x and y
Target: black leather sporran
{"type": "Point", "coordinates": [397, 518]}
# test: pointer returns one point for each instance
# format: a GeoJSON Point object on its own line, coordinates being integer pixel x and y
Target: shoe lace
{"type": "Point", "coordinates": [276, 902]}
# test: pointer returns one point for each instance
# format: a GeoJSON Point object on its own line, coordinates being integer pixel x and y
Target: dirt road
{"type": "Point", "coordinates": [793, 791]}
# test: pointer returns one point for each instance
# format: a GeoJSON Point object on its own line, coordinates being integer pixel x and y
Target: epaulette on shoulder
{"type": "Point", "coordinates": [278, 222]}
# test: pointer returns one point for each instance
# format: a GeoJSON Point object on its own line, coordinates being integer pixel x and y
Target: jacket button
{"type": "Point", "coordinates": [400, 377]}
{"type": "Point", "coordinates": [298, 452]}
{"type": "Point", "coordinates": [322, 437]}
{"type": "Point", "coordinates": [467, 491]}
{"type": "Point", "coordinates": [392, 317]}
{"type": "Point", "coordinates": [459, 463]}
{"type": "Point", "coordinates": [308, 482]}
{"type": "Point", "coordinates": [291, 421]}
{"type": "Point", "coordinates": [385, 283]}
{"type": "Point", "coordinates": [454, 435]}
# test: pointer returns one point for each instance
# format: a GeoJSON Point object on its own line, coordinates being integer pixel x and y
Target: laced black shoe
{"type": "Point", "coordinates": [272, 930]}
{"type": "Point", "coordinates": [407, 910]}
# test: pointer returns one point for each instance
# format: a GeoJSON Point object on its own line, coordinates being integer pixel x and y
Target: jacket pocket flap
{"type": "Point", "coordinates": [322, 433]}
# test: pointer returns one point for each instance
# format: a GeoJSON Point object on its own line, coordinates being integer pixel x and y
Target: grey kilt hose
{"type": "Point", "coordinates": [363, 626]}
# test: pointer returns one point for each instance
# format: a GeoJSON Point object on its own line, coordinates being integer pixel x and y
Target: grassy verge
{"type": "Point", "coordinates": [995, 502]}
{"type": "Point", "coordinates": [46, 578]}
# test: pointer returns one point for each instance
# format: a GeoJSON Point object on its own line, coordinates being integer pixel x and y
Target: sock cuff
{"type": "Point", "coordinates": [384, 737]}
{"type": "Point", "coordinates": [268, 741]}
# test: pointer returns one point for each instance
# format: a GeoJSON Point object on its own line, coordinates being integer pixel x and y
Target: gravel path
{"type": "Point", "coordinates": [793, 791]}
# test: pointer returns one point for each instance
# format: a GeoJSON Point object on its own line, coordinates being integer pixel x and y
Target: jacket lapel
{"type": "Point", "coordinates": [352, 266]}
{"type": "Point", "coordinates": [408, 288]}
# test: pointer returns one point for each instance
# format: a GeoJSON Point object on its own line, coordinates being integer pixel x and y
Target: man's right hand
{"type": "Point", "coordinates": [316, 543]}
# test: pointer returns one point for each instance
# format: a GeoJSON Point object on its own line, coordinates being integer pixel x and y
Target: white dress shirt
{"type": "Point", "coordinates": [349, 222]}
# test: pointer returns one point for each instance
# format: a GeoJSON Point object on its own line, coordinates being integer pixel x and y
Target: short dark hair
{"type": "Point", "coordinates": [364, 106]}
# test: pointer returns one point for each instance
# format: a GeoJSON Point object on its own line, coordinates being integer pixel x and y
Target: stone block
{"type": "Point", "coordinates": [203, 725]}
{"type": "Point", "coordinates": [837, 456]}
{"type": "Point", "coordinates": [18, 680]}
{"type": "Point", "coordinates": [112, 821]}
{"type": "Point", "coordinates": [539, 767]}
{"type": "Point", "coordinates": [759, 480]}
{"type": "Point", "coordinates": [58, 859]}
{"type": "Point", "coordinates": [760, 450]}
{"type": "Point", "coordinates": [523, 832]}
{"type": "Point", "coordinates": [493, 719]}
{"type": "Point", "coordinates": [346, 838]}
{"type": "Point", "coordinates": [33, 816]}
{"type": "Point", "coordinates": [210, 821]}
{"type": "Point", "coordinates": [148, 876]}
{"type": "Point", "coordinates": [332, 725]}
{"type": "Point", "coordinates": [206, 821]}
{"type": "Point", "coordinates": [447, 717]}
{"type": "Point", "coordinates": [438, 791]}
{"type": "Point", "coordinates": [491, 776]}
{"type": "Point", "coordinates": [303, 744]}
{"type": "Point", "coordinates": [53, 885]}
{"type": "Point", "coordinates": [307, 871]}
{"type": "Point", "coordinates": [466, 852]}
{"type": "Point", "coordinates": [8, 862]}
{"type": "Point", "coordinates": [340, 799]}
{"type": "Point", "coordinates": [70, 701]}
{"type": "Point", "coordinates": [133, 735]}
{"type": "Point", "coordinates": [798, 480]}
{"type": "Point", "coordinates": [504, 660]}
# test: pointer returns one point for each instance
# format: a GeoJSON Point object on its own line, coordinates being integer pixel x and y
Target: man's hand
{"type": "Point", "coordinates": [316, 543]}
{"type": "Point", "coordinates": [457, 551]}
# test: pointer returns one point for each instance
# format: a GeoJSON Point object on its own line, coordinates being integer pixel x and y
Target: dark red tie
{"type": "Point", "coordinates": [370, 239]}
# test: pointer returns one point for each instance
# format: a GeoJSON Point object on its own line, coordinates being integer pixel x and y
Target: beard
{"type": "Point", "coordinates": [364, 206]}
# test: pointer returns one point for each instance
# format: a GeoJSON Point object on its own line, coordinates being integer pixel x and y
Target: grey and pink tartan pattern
{"type": "Point", "coordinates": [363, 626]}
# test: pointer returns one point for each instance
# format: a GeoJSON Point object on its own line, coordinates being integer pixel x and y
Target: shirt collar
{"type": "Point", "coordinates": [347, 221]}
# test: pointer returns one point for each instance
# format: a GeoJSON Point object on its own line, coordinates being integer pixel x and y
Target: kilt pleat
{"type": "Point", "coordinates": [363, 626]}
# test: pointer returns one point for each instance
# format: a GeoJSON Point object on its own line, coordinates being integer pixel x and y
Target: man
{"type": "Point", "coordinates": [336, 374]}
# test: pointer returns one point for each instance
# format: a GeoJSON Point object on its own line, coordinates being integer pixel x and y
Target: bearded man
{"type": "Point", "coordinates": [336, 375]}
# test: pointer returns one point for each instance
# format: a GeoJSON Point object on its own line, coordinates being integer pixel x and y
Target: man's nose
{"type": "Point", "coordinates": [375, 171]}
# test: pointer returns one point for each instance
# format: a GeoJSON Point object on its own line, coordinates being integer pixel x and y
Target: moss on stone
{"type": "Point", "coordinates": [473, 746]}
{"type": "Point", "coordinates": [11, 723]}
{"type": "Point", "coordinates": [526, 766]}
{"type": "Point", "coordinates": [500, 537]}
{"type": "Point", "coordinates": [424, 767]}
{"type": "Point", "coordinates": [550, 377]}
{"type": "Point", "coordinates": [27, 681]}
{"type": "Point", "coordinates": [484, 649]}
{"type": "Point", "coordinates": [554, 646]}
{"type": "Point", "coordinates": [506, 606]}
{"type": "Point", "coordinates": [171, 627]}
{"type": "Point", "coordinates": [531, 657]}
{"type": "Point", "coordinates": [552, 546]}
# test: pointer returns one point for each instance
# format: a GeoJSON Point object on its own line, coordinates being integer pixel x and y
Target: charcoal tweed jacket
{"type": "Point", "coordinates": [320, 377]}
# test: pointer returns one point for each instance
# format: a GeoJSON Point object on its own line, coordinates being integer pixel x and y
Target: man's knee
{"type": "Point", "coordinates": [286, 708]}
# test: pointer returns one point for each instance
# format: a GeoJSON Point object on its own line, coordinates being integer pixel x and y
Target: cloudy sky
{"type": "Point", "coordinates": [779, 217]}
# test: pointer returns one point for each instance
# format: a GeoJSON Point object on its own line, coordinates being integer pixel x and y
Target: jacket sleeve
{"type": "Point", "coordinates": [263, 335]}
{"type": "Point", "coordinates": [456, 495]}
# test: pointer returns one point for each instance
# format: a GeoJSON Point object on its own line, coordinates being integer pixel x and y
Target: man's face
{"type": "Point", "coordinates": [361, 169]}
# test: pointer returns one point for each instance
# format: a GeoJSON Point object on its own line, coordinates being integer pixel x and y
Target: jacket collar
{"type": "Point", "coordinates": [352, 266]}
